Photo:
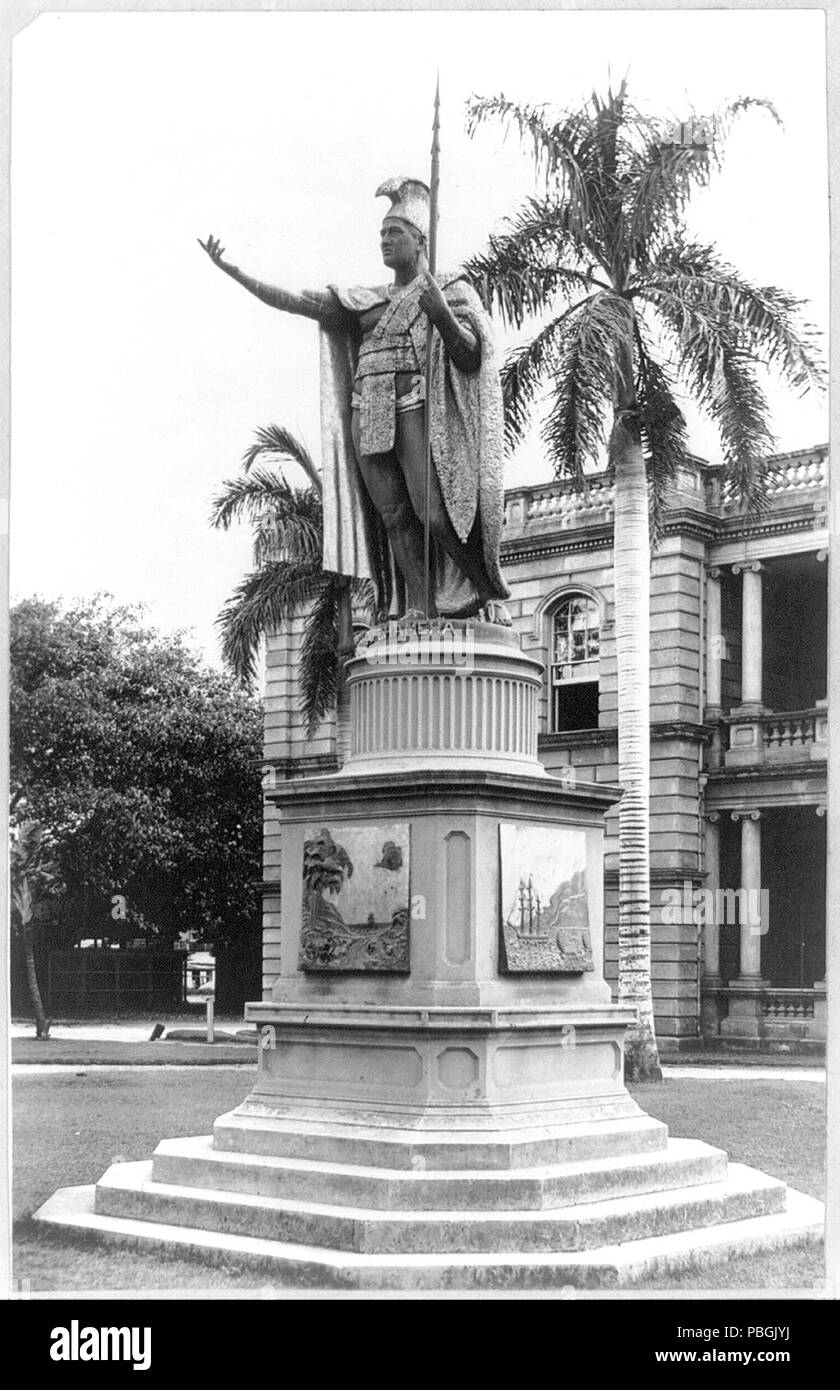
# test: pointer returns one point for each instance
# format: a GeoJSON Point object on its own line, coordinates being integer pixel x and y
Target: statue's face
{"type": "Point", "coordinates": [400, 244]}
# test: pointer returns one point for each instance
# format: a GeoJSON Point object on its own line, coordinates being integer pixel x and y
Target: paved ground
{"type": "Point", "coordinates": [755, 1067]}
{"type": "Point", "coordinates": [752, 1073]}
{"type": "Point", "coordinates": [670, 1073]}
{"type": "Point", "coordinates": [83, 1068]}
{"type": "Point", "coordinates": [124, 1032]}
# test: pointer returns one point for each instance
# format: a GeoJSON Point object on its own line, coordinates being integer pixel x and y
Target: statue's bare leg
{"type": "Point", "coordinates": [411, 451]}
{"type": "Point", "coordinates": [383, 478]}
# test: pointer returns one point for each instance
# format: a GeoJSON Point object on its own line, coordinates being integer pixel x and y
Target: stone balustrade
{"type": "Point", "coordinates": [560, 504]}
{"type": "Point", "coordinates": [778, 1004]}
{"type": "Point", "coordinates": [791, 478]}
{"type": "Point", "coordinates": [790, 730]}
{"type": "Point", "coordinates": [781, 1014]}
{"type": "Point", "coordinates": [793, 736]}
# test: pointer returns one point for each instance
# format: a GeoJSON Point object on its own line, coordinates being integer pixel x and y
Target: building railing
{"type": "Point", "coordinates": [790, 478]}
{"type": "Point", "coordinates": [779, 1004]}
{"type": "Point", "coordinates": [790, 730]}
{"type": "Point", "coordinates": [767, 1012]}
{"type": "Point", "coordinates": [560, 504]}
{"type": "Point", "coordinates": [792, 736]}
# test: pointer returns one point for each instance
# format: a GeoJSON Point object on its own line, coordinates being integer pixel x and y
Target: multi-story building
{"type": "Point", "coordinates": [738, 734]}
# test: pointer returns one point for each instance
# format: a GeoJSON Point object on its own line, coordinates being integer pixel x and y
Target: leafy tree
{"type": "Point", "coordinates": [142, 766]}
{"type": "Point", "coordinates": [288, 576]}
{"type": "Point", "coordinates": [632, 309]}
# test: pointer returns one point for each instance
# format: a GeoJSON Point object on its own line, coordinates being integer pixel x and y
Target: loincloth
{"type": "Point", "coordinates": [412, 399]}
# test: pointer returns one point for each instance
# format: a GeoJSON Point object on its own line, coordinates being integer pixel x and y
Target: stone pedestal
{"type": "Point", "coordinates": [459, 1038]}
{"type": "Point", "coordinates": [439, 1102]}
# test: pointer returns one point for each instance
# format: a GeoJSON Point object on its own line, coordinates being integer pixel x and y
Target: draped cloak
{"type": "Point", "coordinates": [466, 427]}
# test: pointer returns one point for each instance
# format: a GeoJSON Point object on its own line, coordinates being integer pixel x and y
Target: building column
{"type": "Point", "coordinates": [752, 929]}
{"type": "Point", "coordinates": [746, 733]}
{"type": "Point", "coordinates": [820, 996]}
{"type": "Point", "coordinates": [711, 981]}
{"type": "Point", "coordinates": [711, 926]}
{"type": "Point", "coordinates": [745, 1017]}
{"type": "Point", "coordinates": [752, 654]}
{"type": "Point", "coordinates": [714, 644]}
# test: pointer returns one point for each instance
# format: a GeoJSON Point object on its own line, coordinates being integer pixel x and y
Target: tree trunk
{"type": "Point", "coordinates": [42, 1026]}
{"type": "Point", "coordinates": [632, 631]}
{"type": "Point", "coordinates": [346, 649]}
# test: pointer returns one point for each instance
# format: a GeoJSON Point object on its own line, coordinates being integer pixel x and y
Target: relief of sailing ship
{"type": "Point", "coordinates": [545, 907]}
{"type": "Point", "coordinates": [532, 923]}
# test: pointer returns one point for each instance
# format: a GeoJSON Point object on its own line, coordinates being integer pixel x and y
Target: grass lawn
{"type": "Point", "coordinates": [776, 1126]}
{"type": "Point", "coordinates": [69, 1128]}
{"type": "Point", "coordinates": [79, 1052]}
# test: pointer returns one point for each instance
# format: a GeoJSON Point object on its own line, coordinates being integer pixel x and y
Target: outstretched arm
{"type": "Point", "coordinates": [312, 304]}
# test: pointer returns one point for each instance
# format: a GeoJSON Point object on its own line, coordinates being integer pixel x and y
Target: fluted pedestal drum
{"type": "Point", "coordinates": [444, 694]}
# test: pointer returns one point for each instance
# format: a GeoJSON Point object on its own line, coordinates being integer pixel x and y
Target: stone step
{"type": "Point", "coordinates": [195, 1163]}
{"type": "Point", "coordinates": [328, 1142]}
{"type": "Point", "coordinates": [71, 1211]}
{"type": "Point", "coordinates": [127, 1190]}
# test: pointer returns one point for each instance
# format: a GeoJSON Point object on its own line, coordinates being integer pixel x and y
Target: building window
{"type": "Point", "coordinates": [575, 647]}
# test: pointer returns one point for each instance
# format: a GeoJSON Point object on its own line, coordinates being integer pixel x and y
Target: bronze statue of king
{"type": "Point", "coordinates": [373, 422]}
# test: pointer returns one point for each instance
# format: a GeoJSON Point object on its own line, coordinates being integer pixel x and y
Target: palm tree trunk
{"type": "Point", "coordinates": [42, 1026]}
{"type": "Point", "coordinates": [346, 648]}
{"type": "Point", "coordinates": [632, 630]}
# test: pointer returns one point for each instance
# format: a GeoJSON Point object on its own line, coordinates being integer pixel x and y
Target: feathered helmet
{"type": "Point", "coordinates": [409, 202]}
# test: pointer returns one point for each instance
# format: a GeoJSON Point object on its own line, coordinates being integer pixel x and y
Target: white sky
{"type": "Point", "coordinates": [139, 372]}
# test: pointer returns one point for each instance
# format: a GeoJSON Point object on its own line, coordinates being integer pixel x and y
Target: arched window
{"type": "Point", "coordinates": [575, 647]}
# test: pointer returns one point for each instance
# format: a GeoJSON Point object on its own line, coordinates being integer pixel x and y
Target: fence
{"type": "Point", "coordinates": [106, 982]}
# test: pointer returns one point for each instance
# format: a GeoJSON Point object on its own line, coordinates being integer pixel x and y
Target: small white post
{"type": "Point", "coordinates": [210, 1003]}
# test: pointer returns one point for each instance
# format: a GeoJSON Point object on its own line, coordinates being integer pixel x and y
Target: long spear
{"type": "Point", "coordinates": [434, 186]}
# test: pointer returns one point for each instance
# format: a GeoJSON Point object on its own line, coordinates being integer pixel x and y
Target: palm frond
{"type": "Point", "coordinates": [522, 271]}
{"type": "Point", "coordinates": [738, 406]}
{"type": "Point", "coordinates": [725, 117]}
{"type": "Point", "coordinates": [553, 148]}
{"type": "Point", "coordinates": [275, 439]}
{"type": "Point", "coordinates": [609, 144]}
{"type": "Point", "coordinates": [660, 182]}
{"type": "Point", "coordinates": [662, 427]}
{"type": "Point", "coordinates": [262, 601]}
{"type": "Point", "coordinates": [291, 532]}
{"type": "Point", "coordinates": [319, 656]}
{"type": "Point", "coordinates": [660, 178]}
{"type": "Point", "coordinates": [525, 369]}
{"type": "Point", "coordinates": [766, 319]}
{"type": "Point", "coordinates": [364, 597]}
{"type": "Point", "coordinates": [587, 381]}
{"type": "Point", "coordinates": [259, 493]}
{"type": "Point", "coordinates": [721, 375]}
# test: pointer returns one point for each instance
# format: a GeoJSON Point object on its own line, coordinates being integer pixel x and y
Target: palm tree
{"type": "Point", "coordinates": [325, 864]}
{"type": "Point", "coordinates": [288, 576]}
{"type": "Point", "coordinates": [34, 878]}
{"type": "Point", "coordinates": [632, 307]}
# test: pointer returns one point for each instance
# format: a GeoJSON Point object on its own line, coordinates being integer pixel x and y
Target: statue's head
{"type": "Point", "coordinates": [402, 246]}
{"type": "Point", "coordinates": [405, 228]}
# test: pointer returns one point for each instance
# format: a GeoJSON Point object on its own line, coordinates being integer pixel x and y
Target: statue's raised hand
{"type": "Point", "coordinates": [432, 300]}
{"type": "Point", "coordinates": [216, 252]}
